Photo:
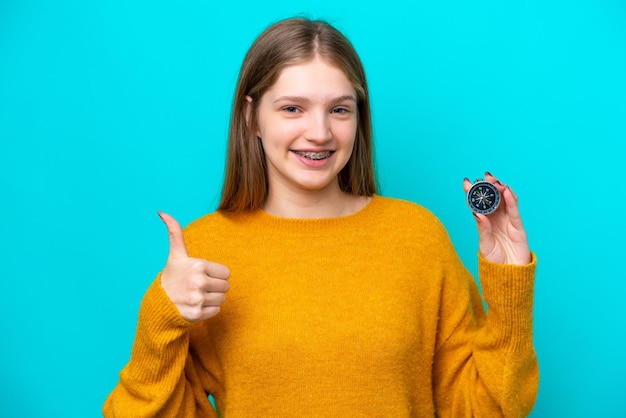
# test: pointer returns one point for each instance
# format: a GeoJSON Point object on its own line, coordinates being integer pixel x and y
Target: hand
{"type": "Point", "coordinates": [197, 287]}
{"type": "Point", "coordinates": [502, 238]}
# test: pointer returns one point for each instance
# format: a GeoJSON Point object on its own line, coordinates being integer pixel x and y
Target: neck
{"type": "Point", "coordinates": [328, 203]}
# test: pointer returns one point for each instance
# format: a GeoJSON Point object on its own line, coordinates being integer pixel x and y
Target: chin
{"type": "Point", "coordinates": [315, 185]}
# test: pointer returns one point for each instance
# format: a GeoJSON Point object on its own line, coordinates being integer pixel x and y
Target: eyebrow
{"type": "Point", "coordinates": [301, 99]}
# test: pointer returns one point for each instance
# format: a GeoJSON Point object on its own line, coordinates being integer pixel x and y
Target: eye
{"type": "Point", "coordinates": [290, 109]}
{"type": "Point", "coordinates": [340, 110]}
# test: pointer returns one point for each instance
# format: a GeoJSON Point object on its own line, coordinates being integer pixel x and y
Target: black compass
{"type": "Point", "coordinates": [483, 197]}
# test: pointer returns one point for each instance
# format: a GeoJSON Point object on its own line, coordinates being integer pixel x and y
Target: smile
{"type": "Point", "coordinates": [314, 155]}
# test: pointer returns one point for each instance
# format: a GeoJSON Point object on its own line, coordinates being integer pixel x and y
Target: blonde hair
{"type": "Point", "coordinates": [290, 42]}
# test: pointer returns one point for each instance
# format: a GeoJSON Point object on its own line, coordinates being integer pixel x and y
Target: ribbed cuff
{"type": "Point", "coordinates": [161, 341]}
{"type": "Point", "coordinates": [157, 313]}
{"type": "Point", "coordinates": [508, 291]}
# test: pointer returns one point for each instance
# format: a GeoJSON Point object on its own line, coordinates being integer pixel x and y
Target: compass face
{"type": "Point", "coordinates": [483, 197]}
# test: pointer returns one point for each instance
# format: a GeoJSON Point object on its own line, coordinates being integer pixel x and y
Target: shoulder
{"type": "Point", "coordinates": [214, 223]}
{"type": "Point", "coordinates": [208, 220]}
{"type": "Point", "coordinates": [208, 234]}
{"type": "Point", "coordinates": [409, 220]}
{"type": "Point", "coordinates": [207, 227]}
{"type": "Point", "coordinates": [406, 221]}
{"type": "Point", "coordinates": [397, 204]}
{"type": "Point", "coordinates": [410, 213]}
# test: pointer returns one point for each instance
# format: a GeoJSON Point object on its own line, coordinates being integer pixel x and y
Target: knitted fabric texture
{"type": "Point", "coordinates": [368, 315]}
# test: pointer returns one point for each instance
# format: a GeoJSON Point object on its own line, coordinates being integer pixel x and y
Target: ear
{"type": "Point", "coordinates": [248, 108]}
{"type": "Point", "coordinates": [248, 111]}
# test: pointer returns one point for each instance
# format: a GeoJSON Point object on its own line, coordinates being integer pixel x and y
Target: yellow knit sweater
{"type": "Point", "coordinates": [368, 315]}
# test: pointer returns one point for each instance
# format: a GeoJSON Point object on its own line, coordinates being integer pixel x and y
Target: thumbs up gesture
{"type": "Point", "coordinates": [197, 287]}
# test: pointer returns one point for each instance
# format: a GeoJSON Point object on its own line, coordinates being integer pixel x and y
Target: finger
{"type": "Point", "coordinates": [490, 178]}
{"type": "Point", "coordinates": [209, 312]}
{"type": "Point", "coordinates": [467, 184]}
{"type": "Point", "coordinates": [216, 286]}
{"type": "Point", "coordinates": [486, 243]}
{"type": "Point", "coordinates": [214, 299]}
{"type": "Point", "coordinates": [513, 194]}
{"type": "Point", "coordinates": [494, 180]}
{"type": "Point", "coordinates": [502, 188]}
{"type": "Point", "coordinates": [175, 233]}
{"type": "Point", "coordinates": [200, 313]}
{"type": "Point", "coordinates": [217, 271]}
{"type": "Point", "coordinates": [482, 224]}
{"type": "Point", "coordinates": [505, 190]}
{"type": "Point", "coordinates": [512, 207]}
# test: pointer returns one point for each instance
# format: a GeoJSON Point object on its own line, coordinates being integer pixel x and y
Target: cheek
{"type": "Point", "coordinates": [346, 133]}
{"type": "Point", "coordinates": [280, 132]}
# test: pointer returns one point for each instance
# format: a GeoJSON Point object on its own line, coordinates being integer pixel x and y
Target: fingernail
{"type": "Point", "coordinates": [476, 216]}
{"type": "Point", "coordinates": [465, 179]}
{"type": "Point", "coordinates": [498, 183]}
{"type": "Point", "coordinates": [487, 173]}
{"type": "Point", "coordinates": [160, 215]}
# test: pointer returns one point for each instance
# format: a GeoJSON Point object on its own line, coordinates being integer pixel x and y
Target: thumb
{"type": "Point", "coordinates": [175, 233]}
{"type": "Point", "coordinates": [486, 242]}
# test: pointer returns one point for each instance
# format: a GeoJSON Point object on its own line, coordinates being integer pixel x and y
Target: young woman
{"type": "Point", "coordinates": [340, 302]}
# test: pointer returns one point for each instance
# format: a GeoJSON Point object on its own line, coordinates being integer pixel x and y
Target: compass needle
{"type": "Point", "coordinates": [483, 197]}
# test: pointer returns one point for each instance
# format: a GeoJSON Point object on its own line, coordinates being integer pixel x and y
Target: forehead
{"type": "Point", "coordinates": [312, 78]}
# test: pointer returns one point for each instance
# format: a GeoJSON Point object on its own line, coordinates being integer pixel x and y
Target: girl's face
{"type": "Point", "coordinates": [307, 123]}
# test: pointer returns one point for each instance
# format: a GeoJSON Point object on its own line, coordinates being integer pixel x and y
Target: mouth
{"type": "Point", "coordinates": [315, 156]}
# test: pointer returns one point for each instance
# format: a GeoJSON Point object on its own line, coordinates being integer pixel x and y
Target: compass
{"type": "Point", "coordinates": [483, 197]}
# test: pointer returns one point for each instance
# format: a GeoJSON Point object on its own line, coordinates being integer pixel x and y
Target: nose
{"type": "Point", "coordinates": [318, 129]}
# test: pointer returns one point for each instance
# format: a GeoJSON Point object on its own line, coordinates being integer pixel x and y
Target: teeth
{"type": "Point", "coordinates": [314, 155]}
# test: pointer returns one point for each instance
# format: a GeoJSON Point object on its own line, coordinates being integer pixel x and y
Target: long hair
{"type": "Point", "coordinates": [290, 42]}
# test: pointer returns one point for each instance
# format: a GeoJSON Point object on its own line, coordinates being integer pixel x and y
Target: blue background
{"type": "Point", "coordinates": [110, 110]}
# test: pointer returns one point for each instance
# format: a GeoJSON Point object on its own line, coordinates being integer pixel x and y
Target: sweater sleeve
{"type": "Point", "coordinates": [485, 364]}
{"type": "Point", "coordinates": [160, 378]}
